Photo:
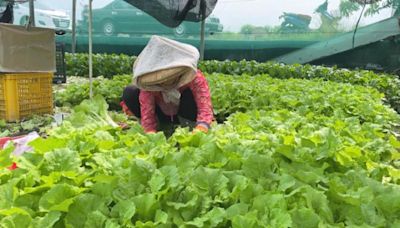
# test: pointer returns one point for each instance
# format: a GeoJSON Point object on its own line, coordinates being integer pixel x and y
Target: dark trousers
{"type": "Point", "coordinates": [187, 106]}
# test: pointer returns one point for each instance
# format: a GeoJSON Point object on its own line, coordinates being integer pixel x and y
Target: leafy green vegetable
{"type": "Point", "coordinates": [5, 156]}
{"type": "Point", "coordinates": [34, 123]}
{"type": "Point", "coordinates": [106, 65]}
{"type": "Point", "coordinates": [109, 65]}
{"type": "Point", "coordinates": [94, 110]}
{"type": "Point", "coordinates": [291, 153]}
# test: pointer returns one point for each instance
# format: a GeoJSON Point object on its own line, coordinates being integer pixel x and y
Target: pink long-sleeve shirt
{"type": "Point", "coordinates": [201, 93]}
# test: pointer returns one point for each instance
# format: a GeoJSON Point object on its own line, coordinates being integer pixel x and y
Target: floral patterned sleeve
{"type": "Point", "coordinates": [148, 111]}
{"type": "Point", "coordinates": [202, 97]}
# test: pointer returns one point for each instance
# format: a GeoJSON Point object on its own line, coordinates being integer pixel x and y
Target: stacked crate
{"type": "Point", "coordinates": [27, 66]}
{"type": "Point", "coordinates": [61, 75]}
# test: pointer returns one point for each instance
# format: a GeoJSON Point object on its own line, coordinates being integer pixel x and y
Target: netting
{"type": "Point", "coordinates": [171, 13]}
{"type": "Point", "coordinates": [259, 30]}
{"type": "Point", "coordinates": [6, 15]}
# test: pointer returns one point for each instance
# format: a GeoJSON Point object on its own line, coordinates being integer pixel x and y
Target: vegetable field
{"type": "Point", "coordinates": [293, 146]}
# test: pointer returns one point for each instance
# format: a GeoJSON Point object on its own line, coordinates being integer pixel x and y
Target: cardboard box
{"type": "Point", "coordinates": [23, 50]}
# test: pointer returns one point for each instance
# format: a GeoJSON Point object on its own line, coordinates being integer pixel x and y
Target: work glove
{"type": "Point", "coordinates": [203, 127]}
{"type": "Point", "coordinates": [150, 131]}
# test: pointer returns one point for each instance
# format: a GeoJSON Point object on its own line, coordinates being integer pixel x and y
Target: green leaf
{"type": "Point", "coordinates": [59, 198]}
{"type": "Point", "coordinates": [95, 219]}
{"type": "Point", "coordinates": [47, 221]}
{"type": "Point", "coordinates": [157, 181]}
{"type": "Point", "coordinates": [111, 224]}
{"type": "Point", "coordinates": [171, 175]}
{"type": "Point", "coordinates": [209, 180]}
{"type": "Point", "coordinates": [245, 221]}
{"type": "Point", "coordinates": [61, 160]}
{"type": "Point", "coordinates": [5, 156]}
{"type": "Point", "coordinates": [124, 210]}
{"type": "Point", "coordinates": [13, 210]}
{"type": "Point", "coordinates": [273, 209]}
{"type": "Point", "coordinates": [161, 217]}
{"type": "Point", "coordinates": [141, 171]}
{"type": "Point", "coordinates": [286, 181]}
{"type": "Point", "coordinates": [78, 211]}
{"type": "Point", "coordinates": [106, 140]}
{"type": "Point", "coordinates": [394, 142]}
{"type": "Point", "coordinates": [8, 193]}
{"type": "Point", "coordinates": [146, 206]}
{"type": "Point", "coordinates": [237, 209]}
{"type": "Point", "coordinates": [258, 166]}
{"type": "Point", "coordinates": [304, 217]}
{"type": "Point", "coordinates": [16, 221]}
{"type": "Point", "coordinates": [346, 156]}
{"type": "Point", "coordinates": [42, 145]}
{"type": "Point", "coordinates": [388, 202]}
{"type": "Point", "coordinates": [319, 202]}
{"type": "Point", "coordinates": [212, 219]}
{"type": "Point", "coordinates": [104, 186]}
{"type": "Point", "coordinates": [288, 140]}
{"type": "Point", "coordinates": [94, 111]}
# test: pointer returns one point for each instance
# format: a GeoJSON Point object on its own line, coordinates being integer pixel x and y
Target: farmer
{"type": "Point", "coordinates": [167, 84]}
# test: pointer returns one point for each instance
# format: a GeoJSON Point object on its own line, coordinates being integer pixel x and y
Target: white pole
{"type": "Point", "coordinates": [73, 43]}
{"type": "Point", "coordinates": [202, 31]}
{"type": "Point", "coordinates": [90, 51]}
{"type": "Point", "coordinates": [31, 21]}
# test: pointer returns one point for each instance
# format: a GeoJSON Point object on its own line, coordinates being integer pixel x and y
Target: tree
{"type": "Point", "coordinates": [259, 30]}
{"type": "Point", "coordinates": [347, 7]}
{"type": "Point", "coordinates": [246, 29]}
{"type": "Point", "coordinates": [252, 30]}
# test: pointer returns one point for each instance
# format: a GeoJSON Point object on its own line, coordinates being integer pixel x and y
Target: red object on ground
{"type": "Point", "coordinates": [3, 141]}
{"type": "Point", "coordinates": [13, 166]}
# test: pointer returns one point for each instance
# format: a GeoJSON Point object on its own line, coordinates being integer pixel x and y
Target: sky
{"type": "Point", "coordinates": [233, 14]}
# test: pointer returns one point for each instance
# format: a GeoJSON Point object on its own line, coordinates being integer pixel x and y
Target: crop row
{"type": "Point", "coordinates": [277, 167]}
{"type": "Point", "coordinates": [232, 94]}
{"type": "Point", "coordinates": [110, 65]}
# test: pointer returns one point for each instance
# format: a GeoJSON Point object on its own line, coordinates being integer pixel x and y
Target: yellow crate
{"type": "Point", "coordinates": [25, 94]}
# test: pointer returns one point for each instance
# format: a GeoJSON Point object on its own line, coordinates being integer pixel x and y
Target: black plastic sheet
{"type": "Point", "coordinates": [172, 12]}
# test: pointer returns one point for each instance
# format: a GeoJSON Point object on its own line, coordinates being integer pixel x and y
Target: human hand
{"type": "Point", "coordinates": [123, 126]}
{"type": "Point", "coordinates": [200, 127]}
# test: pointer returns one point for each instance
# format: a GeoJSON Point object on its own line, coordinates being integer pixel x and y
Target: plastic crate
{"type": "Point", "coordinates": [61, 75]}
{"type": "Point", "coordinates": [25, 94]}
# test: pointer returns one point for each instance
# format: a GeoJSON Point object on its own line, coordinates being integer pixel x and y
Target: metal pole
{"type": "Point", "coordinates": [90, 51]}
{"type": "Point", "coordinates": [202, 40]}
{"type": "Point", "coordinates": [73, 43]}
{"type": "Point", "coordinates": [202, 31]}
{"type": "Point", "coordinates": [31, 13]}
